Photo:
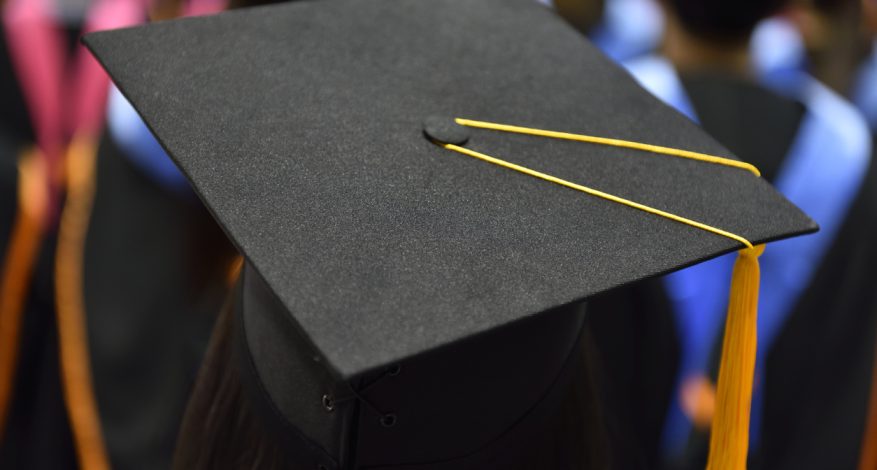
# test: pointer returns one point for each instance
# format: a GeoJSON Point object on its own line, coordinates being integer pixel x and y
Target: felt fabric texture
{"type": "Point", "coordinates": [300, 127]}
{"type": "Point", "coordinates": [268, 343]}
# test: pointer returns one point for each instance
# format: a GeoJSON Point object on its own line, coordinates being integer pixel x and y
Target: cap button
{"type": "Point", "coordinates": [445, 130]}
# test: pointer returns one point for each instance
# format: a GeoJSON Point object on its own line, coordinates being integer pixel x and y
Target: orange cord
{"type": "Point", "coordinates": [868, 459]}
{"type": "Point", "coordinates": [21, 256]}
{"type": "Point", "coordinates": [72, 332]}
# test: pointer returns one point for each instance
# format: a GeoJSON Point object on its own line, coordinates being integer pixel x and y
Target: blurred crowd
{"type": "Point", "coordinates": [787, 86]}
{"type": "Point", "coordinates": [113, 272]}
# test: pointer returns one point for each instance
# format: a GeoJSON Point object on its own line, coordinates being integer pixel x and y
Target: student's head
{"type": "Point", "coordinates": [837, 35]}
{"type": "Point", "coordinates": [869, 18]}
{"type": "Point", "coordinates": [234, 419]}
{"type": "Point", "coordinates": [722, 21]}
{"type": "Point", "coordinates": [825, 23]}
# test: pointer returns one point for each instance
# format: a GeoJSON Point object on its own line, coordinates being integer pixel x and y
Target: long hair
{"type": "Point", "coordinates": [222, 428]}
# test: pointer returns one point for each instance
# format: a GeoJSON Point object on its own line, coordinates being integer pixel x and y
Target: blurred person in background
{"type": "Point", "coordinates": [834, 40]}
{"type": "Point", "coordinates": [54, 97]}
{"type": "Point", "coordinates": [817, 319]}
{"type": "Point", "coordinates": [738, 71]}
{"type": "Point", "coordinates": [838, 39]}
{"type": "Point", "coordinates": [113, 271]}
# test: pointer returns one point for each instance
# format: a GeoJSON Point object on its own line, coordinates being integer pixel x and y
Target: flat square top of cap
{"type": "Point", "coordinates": [301, 127]}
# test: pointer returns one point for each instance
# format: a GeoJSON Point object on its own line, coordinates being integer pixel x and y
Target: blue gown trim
{"type": "Point", "coordinates": [137, 143]}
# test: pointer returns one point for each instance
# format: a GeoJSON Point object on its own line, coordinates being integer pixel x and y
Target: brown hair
{"type": "Point", "coordinates": [221, 429]}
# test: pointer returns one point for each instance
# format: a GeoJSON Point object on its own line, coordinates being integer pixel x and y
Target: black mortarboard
{"type": "Point", "coordinates": [310, 130]}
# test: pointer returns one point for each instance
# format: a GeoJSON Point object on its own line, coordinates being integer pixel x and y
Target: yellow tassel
{"type": "Point", "coordinates": [729, 439]}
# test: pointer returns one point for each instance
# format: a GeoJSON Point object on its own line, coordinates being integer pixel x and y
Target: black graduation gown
{"type": "Point", "coordinates": [155, 275]}
{"type": "Point", "coordinates": [819, 371]}
{"type": "Point", "coordinates": [37, 434]}
{"type": "Point", "coordinates": [635, 355]}
{"type": "Point", "coordinates": [156, 270]}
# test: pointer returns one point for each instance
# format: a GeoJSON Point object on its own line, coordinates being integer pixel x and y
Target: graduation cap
{"type": "Point", "coordinates": [422, 210]}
